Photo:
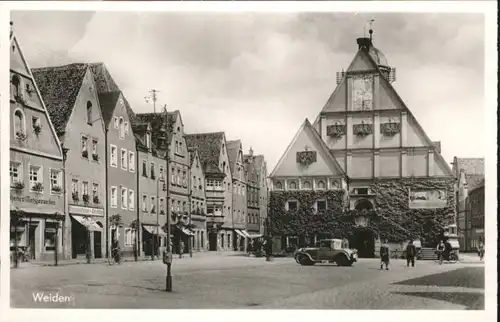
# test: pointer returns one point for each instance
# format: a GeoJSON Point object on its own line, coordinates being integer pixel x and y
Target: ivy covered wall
{"type": "Point", "coordinates": [392, 218]}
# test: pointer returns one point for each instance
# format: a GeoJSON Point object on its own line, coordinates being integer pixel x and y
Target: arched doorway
{"type": "Point", "coordinates": [98, 241]}
{"type": "Point", "coordinates": [363, 237]}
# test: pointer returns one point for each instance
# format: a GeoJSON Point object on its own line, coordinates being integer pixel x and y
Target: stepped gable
{"type": "Point", "coordinates": [59, 87]}
{"type": "Point", "coordinates": [208, 145]}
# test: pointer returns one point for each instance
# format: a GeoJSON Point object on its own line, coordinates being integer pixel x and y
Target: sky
{"type": "Point", "coordinates": [257, 76]}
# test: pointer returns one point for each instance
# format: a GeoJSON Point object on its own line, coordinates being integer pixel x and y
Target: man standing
{"type": "Point", "coordinates": [411, 252]}
{"type": "Point", "coordinates": [384, 255]}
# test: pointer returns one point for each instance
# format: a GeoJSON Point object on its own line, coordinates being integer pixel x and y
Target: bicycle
{"type": "Point", "coordinates": [116, 257]}
{"type": "Point", "coordinates": [452, 257]}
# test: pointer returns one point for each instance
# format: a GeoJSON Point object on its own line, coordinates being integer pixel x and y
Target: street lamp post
{"type": "Point", "coordinates": [168, 278]}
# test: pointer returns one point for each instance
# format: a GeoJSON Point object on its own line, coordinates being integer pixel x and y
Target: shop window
{"type": "Point", "coordinates": [124, 161]}
{"type": "Point", "coordinates": [50, 236]}
{"type": "Point", "coordinates": [15, 173]}
{"type": "Point", "coordinates": [114, 197]}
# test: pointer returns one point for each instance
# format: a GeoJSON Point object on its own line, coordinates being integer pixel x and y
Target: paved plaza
{"type": "Point", "coordinates": [224, 281]}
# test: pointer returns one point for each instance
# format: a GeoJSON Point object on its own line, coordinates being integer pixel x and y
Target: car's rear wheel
{"type": "Point", "coordinates": [343, 261]}
{"type": "Point", "coordinates": [305, 261]}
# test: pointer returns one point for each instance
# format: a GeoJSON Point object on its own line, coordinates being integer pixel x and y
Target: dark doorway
{"type": "Point", "coordinates": [363, 204]}
{"type": "Point", "coordinates": [32, 240]}
{"type": "Point", "coordinates": [212, 242]}
{"type": "Point", "coordinates": [79, 239]}
{"type": "Point", "coordinates": [364, 241]}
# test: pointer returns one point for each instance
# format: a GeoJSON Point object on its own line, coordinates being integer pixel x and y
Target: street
{"type": "Point", "coordinates": [224, 281]}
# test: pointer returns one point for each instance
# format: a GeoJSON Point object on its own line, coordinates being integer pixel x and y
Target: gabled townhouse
{"type": "Point", "coordinates": [71, 99]}
{"type": "Point", "coordinates": [151, 180]}
{"type": "Point", "coordinates": [469, 173]}
{"type": "Point", "coordinates": [261, 167]}
{"type": "Point", "coordinates": [179, 164]}
{"type": "Point", "coordinates": [198, 201]}
{"type": "Point", "coordinates": [214, 160]}
{"type": "Point", "coordinates": [253, 220]}
{"type": "Point", "coordinates": [37, 205]}
{"type": "Point", "coordinates": [121, 176]}
{"type": "Point", "coordinates": [239, 210]}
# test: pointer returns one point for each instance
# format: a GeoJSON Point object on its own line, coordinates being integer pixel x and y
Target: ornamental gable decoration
{"type": "Point", "coordinates": [306, 157]}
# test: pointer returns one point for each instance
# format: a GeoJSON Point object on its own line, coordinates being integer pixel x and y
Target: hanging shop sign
{"type": "Point", "coordinates": [79, 210]}
{"type": "Point", "coordinates": [31, 200]}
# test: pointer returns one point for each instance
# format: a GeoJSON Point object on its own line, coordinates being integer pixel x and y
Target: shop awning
{"type": "Point", "coordinates": [187, 231]}
{"type": "Point", "coordinates": [155, 230]}
{"type": "Point", "coordinates": [244, 232]}
{"type": "Point", "coordinates": [255, 235]}
{"type": "Point", "coordinates": [88, 223]}
{"type": "Point", "coordinates": [240, 233]}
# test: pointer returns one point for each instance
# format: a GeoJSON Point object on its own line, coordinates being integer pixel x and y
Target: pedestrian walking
{"type": "Point", "coordinates": [181, 248]}
{"type": "Point", "coordinates": [411, 252]}
{"type": "Point", "coordinates": [384, 255]}
{"type": "Point", "coordinates": [480, 249]}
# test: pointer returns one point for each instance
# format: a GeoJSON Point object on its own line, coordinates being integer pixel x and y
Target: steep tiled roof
{"type": "Point", "coordinates": [59, 87]}
{"type": "Point", "coordinates": [105, 83]}
{"type": "Point", "coordinates": [474, 181]}
{"type": "Point", "coordinates": [157, 120]}
{"type": "Point", "coordinates": [233, 147]}
{"type": "Point", "coordinates": [108, 102]}
{"type": "Point", "coordinates": [209, 145]}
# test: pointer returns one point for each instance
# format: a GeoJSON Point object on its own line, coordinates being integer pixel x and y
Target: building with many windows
{"type": "Point", "coordinates": [253, 220]}
{"type": "Point", "coordinates": [400, 187]}
{"type": "Point", "coordinates": [37, 205]}
{"type": "Point", "coordinates": [214, 160]}
{"type": "Point", "coordinates": [71, 99]}
{"type": "Point", "coordinates": [239, 200]}
{"type": "Point", "coordinates": [121, 168]}
{"type": "Point", "coordinates": [474, 217]}
{"type": "Point", "coordinates": [198, 202]}
{"type": "Point", "coordinates": [262, 179]}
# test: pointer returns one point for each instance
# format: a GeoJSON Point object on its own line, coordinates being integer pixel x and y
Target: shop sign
{"type": "Point", "coordinates": [427, 199]}
{"type": "Point", "coordinates": [35, 201]}
{"type": "Point", "coordinates": [88, 211]}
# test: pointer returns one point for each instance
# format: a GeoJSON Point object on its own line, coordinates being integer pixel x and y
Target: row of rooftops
{"type": "Point", "coordinates": [60, 86]}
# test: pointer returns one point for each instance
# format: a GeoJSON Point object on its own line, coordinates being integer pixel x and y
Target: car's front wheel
{"type": "Point", "coordinates": [343, 261]}
{"type": "Point", "coordinates": [305, 261]}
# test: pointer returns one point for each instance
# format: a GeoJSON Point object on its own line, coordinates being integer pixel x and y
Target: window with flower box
{"type": "Point", "coordinates": [74, 190]}
{"type": "Point", "coordinates": [95, 155]}
{"type": "Point", "coordinates": [55, 181]}
{"type": "Point", "coordinates": [85, 192]}
{"type": "Point", "coordinates": [16, 174]}
{"type": "Point", "coordinates": [85, 152]}
{"type": "Point", "coordinates": [95, 193]}
{"type": "Point", "coordinates": [36, 178]}
{"type": "Point", "coordinates": [162, 206]}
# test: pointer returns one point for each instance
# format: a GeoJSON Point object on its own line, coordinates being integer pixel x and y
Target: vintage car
{"type": "Point", "coordinates": [329, 250]}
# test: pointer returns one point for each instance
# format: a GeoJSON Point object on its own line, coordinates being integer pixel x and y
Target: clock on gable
{"type": "Point", "coordinates": [362, 93]}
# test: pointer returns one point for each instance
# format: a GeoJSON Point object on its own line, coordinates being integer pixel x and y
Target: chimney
{"type": "Point", "coordinates": [364, 43]}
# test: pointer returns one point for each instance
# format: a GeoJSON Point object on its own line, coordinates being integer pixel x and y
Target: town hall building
{"type": "Point", "coordinates": [397, 187]}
